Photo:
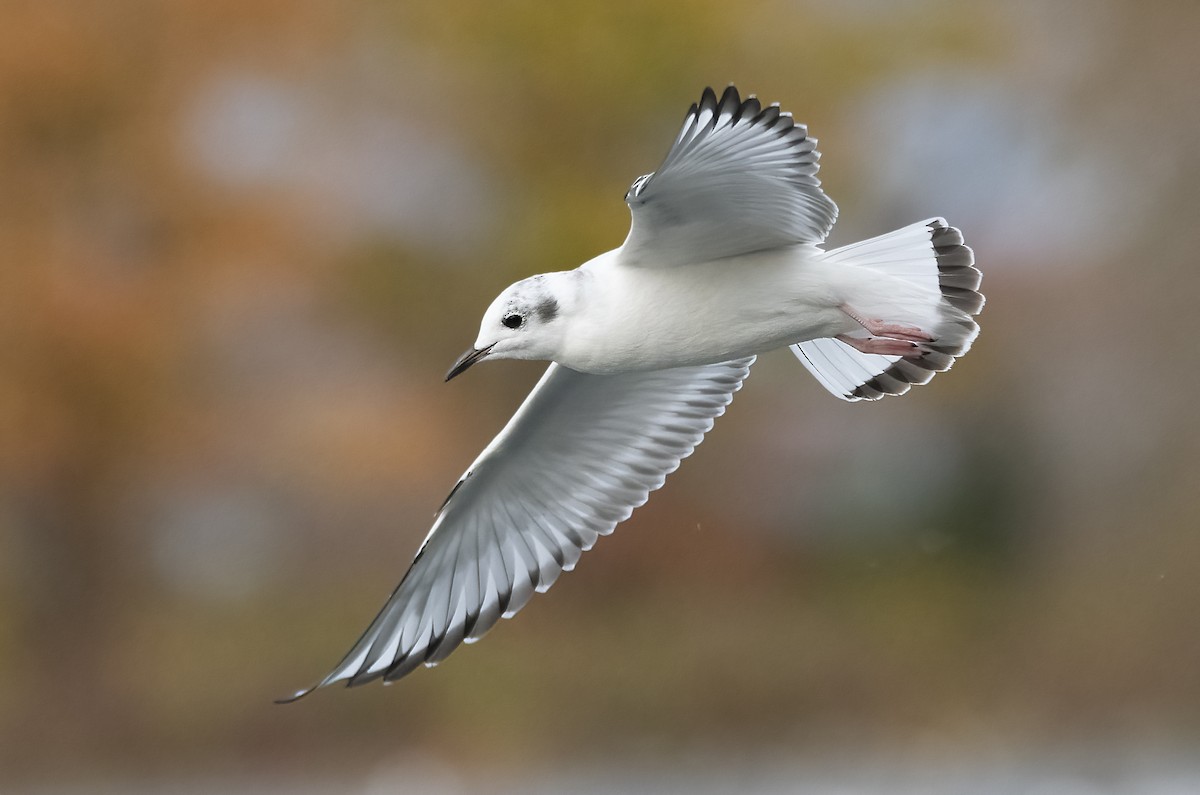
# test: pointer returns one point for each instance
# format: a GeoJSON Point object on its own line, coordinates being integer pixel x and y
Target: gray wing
{"type": "Point", "coordinates": [579, 455]}
{"type": "Point", "coordinates": [739, 178]}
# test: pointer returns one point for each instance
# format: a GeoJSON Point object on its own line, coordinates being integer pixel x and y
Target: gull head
{"type": "Point", "coordinates": [524, 322]}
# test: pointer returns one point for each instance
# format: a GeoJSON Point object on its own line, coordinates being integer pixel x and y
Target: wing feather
{"type": "Point", "coordinates": [739, 178]}
{"type": "Point", "coordinates": [579, 455]}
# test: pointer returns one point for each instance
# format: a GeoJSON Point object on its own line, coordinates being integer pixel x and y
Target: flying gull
{"type": "Point", "coordinates": [648, 344]}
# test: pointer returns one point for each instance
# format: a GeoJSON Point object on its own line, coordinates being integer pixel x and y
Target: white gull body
{"type": "Point", "coordinates": [631, 318]}
{"type": "Point", "coordinates": [648, 344]}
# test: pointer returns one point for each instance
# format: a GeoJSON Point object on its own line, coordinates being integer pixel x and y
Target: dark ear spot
{"type": "Point", "coordinates": [547, 310]}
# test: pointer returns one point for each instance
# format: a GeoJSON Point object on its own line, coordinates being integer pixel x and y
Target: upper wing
{"type": "Point", "coordinates": [579, 455]}
{"type": "Point", "coordinates": [739, 178]}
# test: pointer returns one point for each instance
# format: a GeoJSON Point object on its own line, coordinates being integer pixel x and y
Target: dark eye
{"type": "Point", "coordinates": [512, 321]}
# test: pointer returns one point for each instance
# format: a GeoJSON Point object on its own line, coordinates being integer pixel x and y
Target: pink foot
{"type": "Point", "coordinates": [883, 345]}
{"type": "Point", "coordinates": [880, 328]}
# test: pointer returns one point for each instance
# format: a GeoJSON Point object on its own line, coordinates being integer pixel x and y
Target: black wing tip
{"type": "Point", "coordinates": [446, 501]}
{"type": "Point", "coordinates": [731, 101]}
{"type": "Point", "coordinates": [904, 374]}
{"type": "Point", "coordinates": [299, 694]}
{"type": "Point", "coordinates": [767, 116]}
{"type": "Point", "coordinates": [958, 277]}
{"type": "Point", "coordinates": [751, 111]}
{"type": "Point", "coordinates": [358, 680]}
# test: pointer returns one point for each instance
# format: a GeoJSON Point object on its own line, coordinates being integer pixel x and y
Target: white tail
{"type": "Point", "coordinates": [931, 258]}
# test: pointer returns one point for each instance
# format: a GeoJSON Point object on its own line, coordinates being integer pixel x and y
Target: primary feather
{"type": "Point", "coordinates": [740, 178]}
{"type": "Point", "coordinates": [579, 455]}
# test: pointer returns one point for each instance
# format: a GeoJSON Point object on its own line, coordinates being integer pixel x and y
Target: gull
{"type": "Point", "coordinates": [647, 345]}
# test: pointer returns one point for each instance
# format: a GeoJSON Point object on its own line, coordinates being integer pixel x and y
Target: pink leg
{"type": "Point", "coordinates": [883, 345]}
{"type": "Point", "coordinates": [879, 328]}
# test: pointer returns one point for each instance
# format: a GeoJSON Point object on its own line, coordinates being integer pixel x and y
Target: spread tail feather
{"type": "Point", "coordinates": [931, 259]}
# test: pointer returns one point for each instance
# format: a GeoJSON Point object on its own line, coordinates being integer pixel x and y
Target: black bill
{"type": "Point", "coordinates": [467, 359]}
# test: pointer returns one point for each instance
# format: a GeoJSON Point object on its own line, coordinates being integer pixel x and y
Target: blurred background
{"type": "Point", "coordinates": [243, 241]}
